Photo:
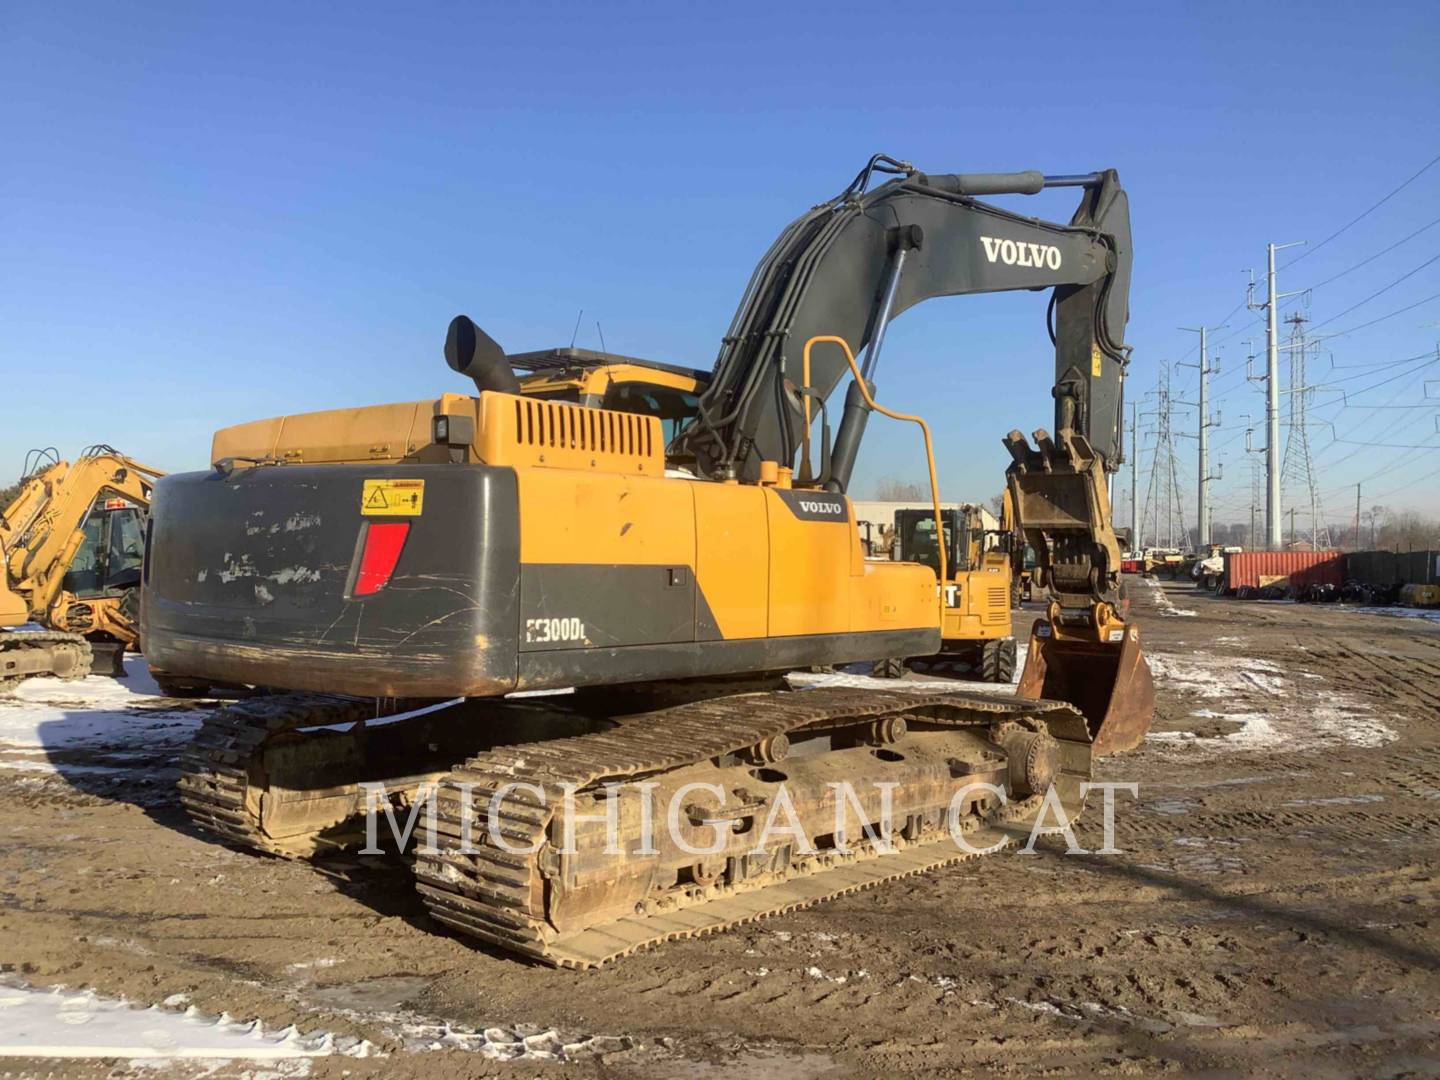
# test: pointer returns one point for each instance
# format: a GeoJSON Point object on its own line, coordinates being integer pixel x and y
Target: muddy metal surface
{"type": "Point", "coordinates": [1273, 908]}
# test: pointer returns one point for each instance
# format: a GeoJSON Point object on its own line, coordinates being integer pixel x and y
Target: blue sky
{"type": "Point", "coordinates": [211, 213]}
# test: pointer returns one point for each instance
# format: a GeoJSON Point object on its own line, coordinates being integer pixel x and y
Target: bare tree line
{"type": "Point", "coordinates": [1381, 529]}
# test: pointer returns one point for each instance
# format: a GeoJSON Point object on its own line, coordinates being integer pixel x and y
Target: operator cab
{"type": "Point", "coordinates": [611, 381]}
{"type": "Point", "coordinates": [916, 539]}
{"type": "Point", "coordinates": [109, 558]}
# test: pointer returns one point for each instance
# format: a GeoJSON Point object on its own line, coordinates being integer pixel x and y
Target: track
{"type": "Point", "coordinates": [235, 784]}
{"type": "Point", "coordinates": [221, 782]}
{"type": "Point", "coordinates": [509, 899]}
{"type": "Point", "coordinates": [70, 654]}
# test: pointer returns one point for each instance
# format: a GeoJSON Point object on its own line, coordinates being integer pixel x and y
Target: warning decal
{"type": "Point", "coordinates": [392, 498]}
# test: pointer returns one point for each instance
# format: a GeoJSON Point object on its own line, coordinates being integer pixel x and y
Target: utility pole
{"type": "Point", "coordinates": [1257, 479]}
{"type": "Point", "coordinates": [1204, 425]}
{"type": "Point", "coordinates": [1357, 517]}
{"type": "Point", "coordinates": [1135, 544]}
{"type": "Point", "coordinates": [1272, 395]}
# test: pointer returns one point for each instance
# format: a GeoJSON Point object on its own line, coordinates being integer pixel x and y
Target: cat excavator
{"type": "Point", "coordinates": [534, 606]}
{"type": "Point", "coordinates": [71, 547]}
{"type": "Point", "coordinates": [975, 637]}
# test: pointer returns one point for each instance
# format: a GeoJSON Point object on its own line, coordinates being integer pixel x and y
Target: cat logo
{"type": "Point", "coordinates": [1019, 253]}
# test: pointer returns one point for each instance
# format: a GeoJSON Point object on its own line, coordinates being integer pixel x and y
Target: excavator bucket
{"type": "Point", "coordinates": [1084, 652]}
{"type": "Point", "coordinates": [1108, 681]}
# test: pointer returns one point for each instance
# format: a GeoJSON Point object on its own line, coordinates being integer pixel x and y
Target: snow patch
{"type": "Point", "coordinates": [506, 1044]}
{"type": "Point", "coordinates": [1273, 711]}
{"type": "Point", "coordinates": [1163, 601]}
{"type": "Point", "coordinates": [126, 719]}
{"type": "Point", "coordinates": [63, 1023]}
{"type": "Point", "coordinates": [923, 684]}
{"type": "Point", "coordinates": [1427, 614]}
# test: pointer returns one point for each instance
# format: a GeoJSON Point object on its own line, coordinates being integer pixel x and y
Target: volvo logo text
{"type": "Point", "coordinates": [822, 507]}
{"type": "Point", "coordinates": [1013, 253]}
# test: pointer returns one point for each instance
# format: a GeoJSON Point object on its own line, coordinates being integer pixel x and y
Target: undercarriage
{"type": "Point", "coordinates": [42, 652]}
{"type": "Point", "coordinates": [574, 840]}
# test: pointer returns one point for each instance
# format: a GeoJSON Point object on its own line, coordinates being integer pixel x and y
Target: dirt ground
{"type": "Point", "coordinates": [1273, 908]}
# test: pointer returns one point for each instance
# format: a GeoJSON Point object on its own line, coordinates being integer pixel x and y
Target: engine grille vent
{"type": "Point", "coordinates": [516, 430]}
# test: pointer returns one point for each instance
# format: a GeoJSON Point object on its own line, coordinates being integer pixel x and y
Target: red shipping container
{"type": "Point", "coordinates": [1258, 568]}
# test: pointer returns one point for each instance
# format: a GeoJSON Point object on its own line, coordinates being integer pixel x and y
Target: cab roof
{"type": "Point", "coordinates": [572, 359]}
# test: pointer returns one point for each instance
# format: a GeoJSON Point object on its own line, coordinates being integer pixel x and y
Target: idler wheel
{"type": "Point", "coordinates": [1033, 756]}
{"type": "Point", "coordinates": [888, 729]}
{"type": "Point", "coordinates": [769, 750]}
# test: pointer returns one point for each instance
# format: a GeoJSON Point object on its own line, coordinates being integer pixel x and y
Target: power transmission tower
{"type": "Point", "coordinates": [1163, 490]}
{"type": "Point", "coordinates": [1298, 469]}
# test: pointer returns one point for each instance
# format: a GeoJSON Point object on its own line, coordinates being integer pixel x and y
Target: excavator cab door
{"type": "Point", "coordinates": [109, 558]}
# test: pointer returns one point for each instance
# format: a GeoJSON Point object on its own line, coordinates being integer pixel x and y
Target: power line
{"type": "Point", "coordinates": [1379, 292]}
{"type": "Point", "coordinates": [1418, 370]}
{"type": "Point", "coordinates": [1372, 258]}
{"type": "Point", "coordinates": [1380, 363]}
{"type": "Point", "coordinates": [1311, 250]}
{"type": "Point", "coordinates": [1404, 486]}
{"type": "Point", "coordinates": [1382, 318]}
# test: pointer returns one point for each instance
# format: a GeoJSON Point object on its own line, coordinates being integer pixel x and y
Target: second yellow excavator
{"type": "Point", "coordinates": [457, 553]}
{"type": "Point", "coordinates": [975, 638]}
{"type": "Point", "coordinates": [72, 541]}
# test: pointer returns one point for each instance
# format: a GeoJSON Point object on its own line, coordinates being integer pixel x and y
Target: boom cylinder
{"type": "Point", "coordinates": [857, 412]}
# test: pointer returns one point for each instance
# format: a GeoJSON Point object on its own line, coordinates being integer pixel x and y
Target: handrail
{"type": "Point", "coordinates": [925, 430]}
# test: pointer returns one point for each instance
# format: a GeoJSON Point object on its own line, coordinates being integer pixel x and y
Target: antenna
{"type": "Point", "coordinates": [576, 332]}
{"type": "Point", "coordinates": [604, 351]}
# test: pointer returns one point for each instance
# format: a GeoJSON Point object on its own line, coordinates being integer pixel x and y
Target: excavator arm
{"type": "Point", "coordinates": [851, 265]}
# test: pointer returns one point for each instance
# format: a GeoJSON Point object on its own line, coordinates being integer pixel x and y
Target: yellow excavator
{"type": "Point", "coordinates": [975, 638]}
{"type": "Point", "coordinates": [473, 552]}
{"type": "Point", "coordinates": [72, 542]}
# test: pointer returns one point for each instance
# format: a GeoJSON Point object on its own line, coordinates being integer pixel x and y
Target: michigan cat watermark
{"type": "Point", "coordinates": [704, 820]}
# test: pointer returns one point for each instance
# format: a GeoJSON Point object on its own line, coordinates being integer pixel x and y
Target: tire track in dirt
{"type": "Point", "coordinates": [1355, 823]}
{"type": "Point", "coordinates": [1402, 680]}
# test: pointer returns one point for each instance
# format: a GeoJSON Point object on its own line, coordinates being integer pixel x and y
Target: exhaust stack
{"type": "Point", "coordinates": [471, 351]}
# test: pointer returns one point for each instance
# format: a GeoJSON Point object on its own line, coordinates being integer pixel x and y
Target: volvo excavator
{"type": "Point", "coordinates": [71, 547]}
{"type": "Point", "coordinates": [426, 599]}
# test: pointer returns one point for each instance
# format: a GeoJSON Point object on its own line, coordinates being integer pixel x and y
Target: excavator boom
{"type": "Point", "coordinates": [848, 267]}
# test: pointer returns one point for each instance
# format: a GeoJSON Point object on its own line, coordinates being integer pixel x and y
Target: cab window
{"type": "Point", "coordinates": [86, 575]}
{"type": "Point", "coordinates": [126, 547]}
{"type": "Point", "coordinates": [673, 407]}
